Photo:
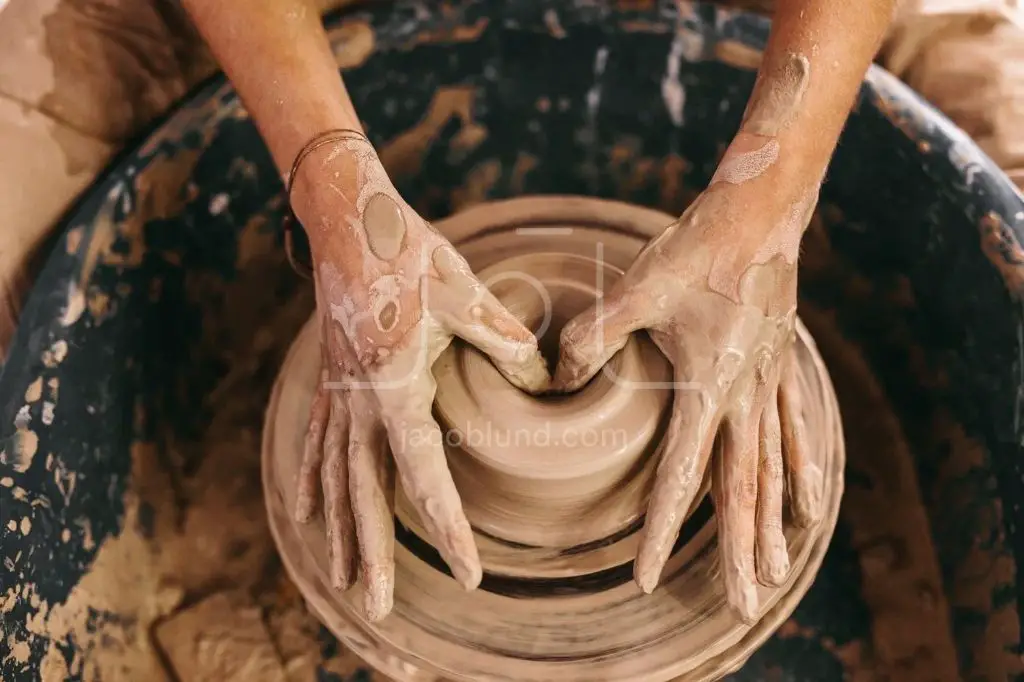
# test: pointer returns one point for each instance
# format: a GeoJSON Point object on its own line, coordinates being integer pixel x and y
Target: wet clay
{"type": "Point", "coordinates": [777, 95]}
{"type": "Point", "coordinates": [554, 487]}
{"type": "Point", "coordinates": [739, 165]}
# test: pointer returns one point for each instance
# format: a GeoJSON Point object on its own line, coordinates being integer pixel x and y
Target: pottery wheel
{"type": "Point", "coordinates": [554, 487]}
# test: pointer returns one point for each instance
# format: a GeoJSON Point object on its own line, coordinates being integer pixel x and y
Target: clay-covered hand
{"type": "Point", "coordinates": [391, 294]}
{"type": "Point", "coordinates": [717, 293]}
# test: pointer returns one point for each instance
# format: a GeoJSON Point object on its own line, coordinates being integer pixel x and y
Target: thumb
{"type": "Point", "coordinates": [591, 338]}
{"type": "Point", "coordinates": [513, 349]}
{"type": "Point", "coordinates": [471, 312]}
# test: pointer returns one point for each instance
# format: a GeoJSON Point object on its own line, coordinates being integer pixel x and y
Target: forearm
{"type": "Point", "coordinates": [815, 61]}
{"type": "Point", "coordinates": [278, 58]}
{"type": "Point", "coordinates": [824, 49]}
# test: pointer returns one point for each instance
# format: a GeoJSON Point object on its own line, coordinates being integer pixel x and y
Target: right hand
{"type": "Point", "coordinates": [391, 295]}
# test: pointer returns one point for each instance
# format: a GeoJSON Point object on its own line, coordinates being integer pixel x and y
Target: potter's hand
{"type": "Point", "coordinates": [392, 293]}
{"type": "Point", "coordinates": [717, 293]}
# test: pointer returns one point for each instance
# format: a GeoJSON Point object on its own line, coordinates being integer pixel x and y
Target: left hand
{"type": "Point", "coordinates": [392, 293]}
{"type": "Point", "coordinates": [716, 291]}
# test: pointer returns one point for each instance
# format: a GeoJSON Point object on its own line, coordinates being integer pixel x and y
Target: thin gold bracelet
{"type": "Point", "coordinates": [290, 219]}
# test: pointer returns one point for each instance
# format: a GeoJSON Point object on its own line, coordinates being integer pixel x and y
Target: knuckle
{"type": "Point", "coordinates": [315, 426]}
{"type": "Point", "coordinates": [770, 523]}
{"type": "Point", "coordinates": [772, 469]}
{"type": "Point", "coordinates": [746, 488]}
{"type": "Point", "coordinates": [331, 468]}
{"type": "Point", "coordinates": [523, 352]}
{"type": "Point", "coordinates": [360, 452]}
{"type": "Point", "coordinates": [578, 329]}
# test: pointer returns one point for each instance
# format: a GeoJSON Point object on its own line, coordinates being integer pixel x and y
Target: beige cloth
{"type": "Point", "coordinates": [80, 77]}
{"type": "Point", "coordinates": [967, 58]}
{"type": "Point", "coordinates": [77, 79]}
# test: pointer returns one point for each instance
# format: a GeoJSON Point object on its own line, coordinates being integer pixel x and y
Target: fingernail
{"type": "Point", "coordinates": [378, 597]}
{"type": "Point", "coordinates": [743, 599]}
{"type": "Point", "coordinates": [467, 574]}
{"type": "Point", "coordinates": [647, 570]}
{"type": "Point", "coordinates": [339, 579]}
{"type": "Point", "coordinates": [467, 569]}
{"type": "Point", "coordinates": [809, 504]}
{"type": "Point", "coordinates": [533, 375]}
{"type": "Point", "coordinates": [647, 583]}
{"type": "Point", "coordinates": [340, 575]}
{"type": "Point", "coordinates": [564, 380]}
{"type": "Point", "coordinates": [304, 509]}
{"type": "Point", "coordinates": [773, 563]}
{"type": "Point", "coordinates": [462, 556]}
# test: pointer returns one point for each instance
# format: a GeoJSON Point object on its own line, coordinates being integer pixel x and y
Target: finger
{"type": "Point", "coordinates": [341, 539]}
{"type": "Point", "coordinates": [734, 489]}
{"type": "Point", "coordinates": [416, 442]}
{"type": "Point", "coordinates": [312, 453]}
{"type": "Point", "coordinates": [591, 338]}
{"type": "Point", "coordinates": [772, 557]}
{"type": "Point", "coordinates": [372, 488]}
{"type": "Point", "coordinates": [805, 481]}
{"type": "Point", "coordinates": [473, 313]}
{"type": "Point", "coordinates": [687, 447]}
{"type": "Point", "coordinates": [489, 326]}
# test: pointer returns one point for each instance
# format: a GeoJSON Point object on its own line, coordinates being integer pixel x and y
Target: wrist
{"type": "Point", "coordinates": [783, 162]}
{"type": "Point", "coordinates": [325, 177]}
{"type": "Point", "coordinates": [766, 176]}
{"type": "Point", "coordinates": [763, 200]}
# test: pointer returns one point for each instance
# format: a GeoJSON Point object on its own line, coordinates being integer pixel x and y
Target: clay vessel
{"type": "Point", "coordinates": [556, 517]}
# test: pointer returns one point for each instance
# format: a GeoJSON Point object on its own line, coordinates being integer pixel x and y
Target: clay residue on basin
{"type": "Point", "coordinates": [177, 511]}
